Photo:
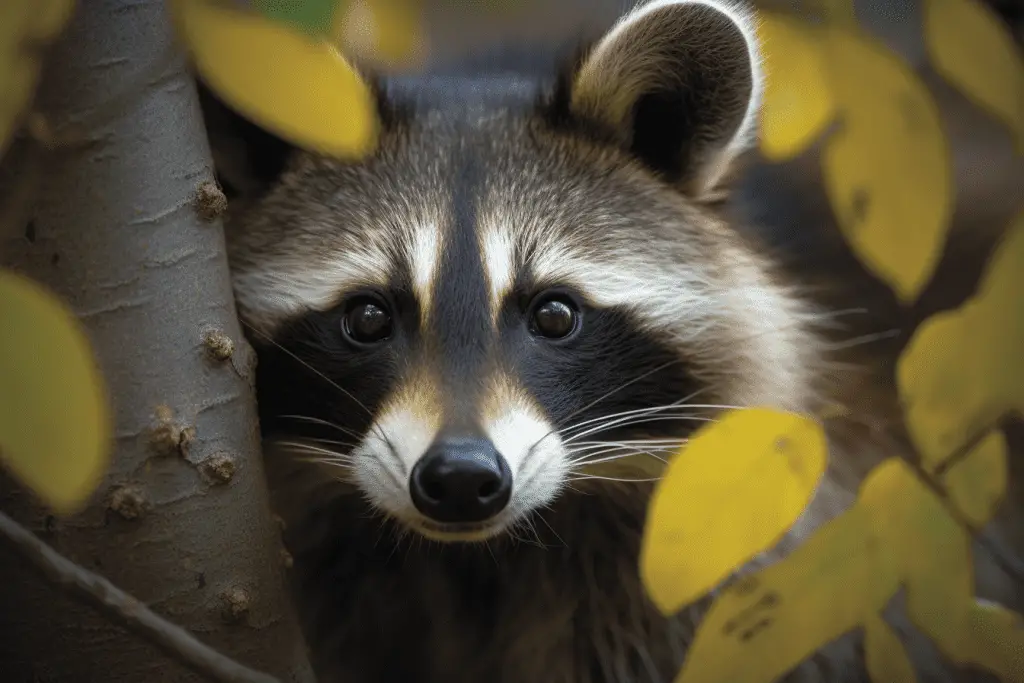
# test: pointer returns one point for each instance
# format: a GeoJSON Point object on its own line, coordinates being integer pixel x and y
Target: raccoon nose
{"type": "Point", "coordinates": [461, 480]}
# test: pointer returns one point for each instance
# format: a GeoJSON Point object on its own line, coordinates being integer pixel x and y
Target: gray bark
{"type": "Point", "coordinates": [182, 520]}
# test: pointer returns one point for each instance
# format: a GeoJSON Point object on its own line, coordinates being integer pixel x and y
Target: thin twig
{"type": "Point", "coordinates": [967, 447]}
{"type": "Point", "coordinates": [1008, 563]}
{"type": "Point", "coordinates": [95, 591]}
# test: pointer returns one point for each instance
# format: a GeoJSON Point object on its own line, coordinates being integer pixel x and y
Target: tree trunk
{"type": "Point", "coordinates": [119, 228]}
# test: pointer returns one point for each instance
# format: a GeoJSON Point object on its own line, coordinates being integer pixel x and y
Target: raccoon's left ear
{"type": "Point", "coordinates": [678, 84]}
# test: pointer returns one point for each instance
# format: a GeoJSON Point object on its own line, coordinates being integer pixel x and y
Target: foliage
{"type": "Point", "coordinates": [887, 173]}
{"type": "Point", "coordinates": [887, 167]}
{"type": "Point", "coordinates": [972, 51]}
{"type": "Point", "coordinates": [898, 535]}
{"type": "Point", "coordinates": [961, 371]}
{"type": "Point", "coordinates": [772, 461]}
{"type": "Point", "coordinates": [25, 29]}
{"type": "Point", "coordinates": [54, 423]}
{"type": "Point", "coordinates": [50, 396]}
{"type": "Point", "coordinates": [295, 83]}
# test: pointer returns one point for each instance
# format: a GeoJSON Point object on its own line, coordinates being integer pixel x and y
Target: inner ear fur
{"type": "Point", "coordinates": [677, 83]}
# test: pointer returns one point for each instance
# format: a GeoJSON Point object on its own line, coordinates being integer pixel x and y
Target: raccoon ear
{"type": "Point", "coordinates": [246, 158]}
{"type": "Point", "coordinates": [678, 84]}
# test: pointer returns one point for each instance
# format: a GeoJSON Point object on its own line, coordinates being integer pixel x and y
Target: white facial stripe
{"type": "Point", "coordinates": [747, 329]}
{"type": "Point", "coordinates": [398, 438]}
{"type": "Point", "coordinates": [534, 453]}
{"type": "Point", "coordinates": [424, 256]}
{"type": "Point", "coordinates": [281, 289]}
{"type": "Point", "coordinates": [404, 432]}
{"type": "Point", "coordinates": [499, 265]}
{"type": "Point", "coordinates": [663, 297]}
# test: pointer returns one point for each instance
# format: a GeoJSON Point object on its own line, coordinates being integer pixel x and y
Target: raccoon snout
{"type": "Point", "coordinates": [462, 480]}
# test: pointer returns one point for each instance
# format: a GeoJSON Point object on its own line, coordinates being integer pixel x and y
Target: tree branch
{"type": "Point", "coordinates": [1007, 562]}
{"type": "Point", "coordinates": [95, 591]}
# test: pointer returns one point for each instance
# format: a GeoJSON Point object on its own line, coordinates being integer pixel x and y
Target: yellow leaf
{"type": "Point", "coordinates": [384, 32]}
{"type": "Point", "coordinates": [54, 420]}
{"type": "Point", "coordinates": [887, 170]}
{"type": "Point", "coordinates": [838, 11]}
{"type": "Point", "coordinates": [972, 49]}
{"type": "Point", "coordinates": [297, 86]}
{"type": "Point", "coordinates": [977, 484]}
{"type": "Point", "coordinates": [767, 623]}
{"type": "Point", "coordinates": [766, 463]}
{"type": "Point", "coordinates": [961, 370]}
{"type": "Point", "coordinates": [937, 570]}
{"type": "Point", "coordinates": [884, 656]}
{"type": "Point", "coordinates": [933, 551]}
{"type": "Point", "coordinates": [798, 103]}
{"type": "Point", "coordinates": [993, 637]}
{"type": "Point", "coordinates": [898, 533]}
{"type": "Point", "coordinates": [26, 26]}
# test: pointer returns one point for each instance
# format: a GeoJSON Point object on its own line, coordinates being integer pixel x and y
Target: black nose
{"type": "Point", "coordinates": [461, 480]}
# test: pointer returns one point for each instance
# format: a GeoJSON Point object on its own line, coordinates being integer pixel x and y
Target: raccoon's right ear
{"type": "Point", "coordinates": [677, 83]}
{"type": "Point", "coordinates": [246, 158]}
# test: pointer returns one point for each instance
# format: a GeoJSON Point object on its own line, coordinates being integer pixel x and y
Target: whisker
{"type": "Point", "coordinates": [604, 396]}
{"type": "Point", "coordinates": [326, 423]}
{"type": "Point", "coordinates": [674, 404]}
{"type": "Point", "coordinates": [312, 448]}
{"type": "Point", "coordinates": [346, 444]}
{"type": "Point", "coordinates": [584, 446]}
{"type": "Point", "coordinates": [641, 420]}
{"type": "Point", "coordinates": [344, 392]}
{"type": "Point", "coordinates": [661, 445]}
{"type": "Point", "coordinates": [624, 385]}
{"type": "Point", "coordinates": [613, 419]}
{"type": "Point", "coordinates": [612, 458]}
{"type": "Point", "coordinates": [863, 340]}
{"type": "Point", "coordinates": [340, 465]}
{"type": "Point", "coordinates": [586, 477]}
{"type": "Point", "coordinates": [625, 442]}
{"type": "Point", "coordinates": [539, 542]}
{"type": "Point", "coordinates": [583, 457]}
{"type": "Point", "coordinates": [309, 367]}
{"type": "Point", "coordinates": [540, 516]}
{"type": "Point", "coordinates": [491, 552]}
{"type": "Point", "coordinates": [316, 459]}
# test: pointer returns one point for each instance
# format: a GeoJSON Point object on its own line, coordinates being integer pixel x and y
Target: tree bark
{"type": "Point", "coordinates": [122, 226]}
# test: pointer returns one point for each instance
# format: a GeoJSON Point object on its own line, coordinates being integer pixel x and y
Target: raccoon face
{"type": "Point", "coordinates": [522, 293]}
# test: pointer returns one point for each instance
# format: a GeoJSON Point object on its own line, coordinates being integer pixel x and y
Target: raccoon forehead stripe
{"type": "Point", "coordinates": [499, 265]}
{"type": "Point", "coordinates": [424, 255]}
{"type": "Point", "coordinates": [269, 293]}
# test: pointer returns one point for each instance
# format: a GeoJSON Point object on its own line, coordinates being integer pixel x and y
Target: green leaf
{"type": "Point", "coordinates": [315, 17]}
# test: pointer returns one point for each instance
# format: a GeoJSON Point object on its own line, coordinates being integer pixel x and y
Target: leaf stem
{"type": "Point", "coordinates": [964, 449]}
{"type": "Point", "coordinates": [1009, 564]}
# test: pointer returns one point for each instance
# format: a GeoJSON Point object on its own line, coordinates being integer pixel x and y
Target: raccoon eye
{"type": "Point", "coordinates": [554, 317]}
{"type": "Point", "coordinates": [367, 321]}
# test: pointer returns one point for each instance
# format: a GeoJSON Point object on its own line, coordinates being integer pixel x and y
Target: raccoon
{"type": "Point", "coordinates": [479, 346]}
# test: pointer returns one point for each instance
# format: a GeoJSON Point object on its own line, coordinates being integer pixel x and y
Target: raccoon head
{"type": "Point", "coordinates": [525, 289]}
